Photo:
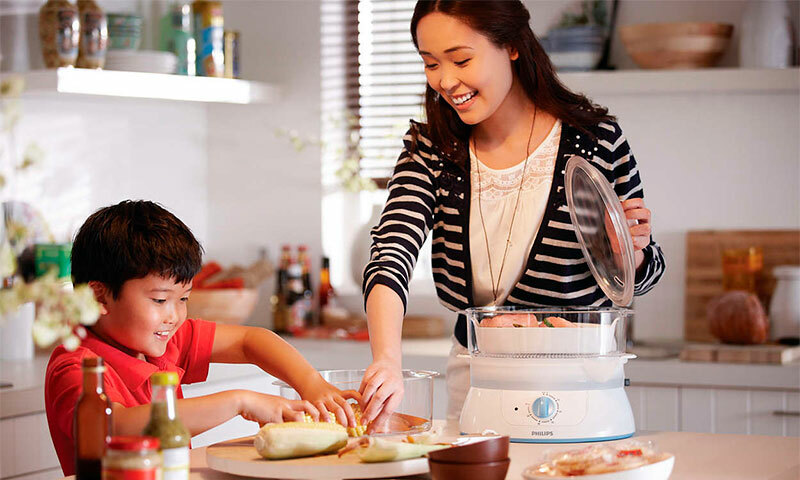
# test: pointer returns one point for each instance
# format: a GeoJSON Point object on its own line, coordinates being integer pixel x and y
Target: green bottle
{"type": "Point", "coordinates": [165, 425]}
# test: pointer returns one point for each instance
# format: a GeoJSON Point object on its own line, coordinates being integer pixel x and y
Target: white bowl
{"type": "Point", "coordinates": [654, 471]}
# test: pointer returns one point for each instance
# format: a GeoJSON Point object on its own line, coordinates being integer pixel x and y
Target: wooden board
{"type": "Point", "coordinates": [240, 457]}
{"type": "Point", "coordinates": [771, 354]}
{"type": "Point", "coordinates": [704, 269]}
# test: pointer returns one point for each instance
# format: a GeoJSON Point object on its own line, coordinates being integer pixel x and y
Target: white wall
{"type": "Point", "coordinates": [261, 191]}
{"type": "Point", "coordinates": [102, 151]}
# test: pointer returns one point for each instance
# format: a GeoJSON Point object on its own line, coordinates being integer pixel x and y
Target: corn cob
{"type": "Point", "coordinates": [299, 439]}
{"type": "Point", "coordinates": [356, 431]}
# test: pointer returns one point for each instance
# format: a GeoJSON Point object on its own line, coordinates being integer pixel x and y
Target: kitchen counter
{"type": "Point", "coordinates": [26, 395]}
{"type": "Point", "coordinates": [698, 456]}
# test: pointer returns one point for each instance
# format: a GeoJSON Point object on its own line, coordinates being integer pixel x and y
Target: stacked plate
{"type": "Point", "coordinates": [141, 61]}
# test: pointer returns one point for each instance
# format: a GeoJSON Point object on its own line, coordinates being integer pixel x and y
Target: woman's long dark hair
{"type": "Point", "coordinates": [505, 23]}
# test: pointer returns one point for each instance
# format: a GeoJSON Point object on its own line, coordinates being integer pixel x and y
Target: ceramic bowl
{"type": "Point", "coordinates": [654, 471]}
{"type": "Point", "coordinates": [469, 471]}
{"type": "Point", "coordinates": [676, 45]}
{"type": "Point", "coordinates": [474, 450]}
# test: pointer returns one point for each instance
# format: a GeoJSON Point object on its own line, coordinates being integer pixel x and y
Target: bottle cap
{"type": "Point", "coordinates": [164, 378]}
{"type": "Point", "coordinates": [133, 443]}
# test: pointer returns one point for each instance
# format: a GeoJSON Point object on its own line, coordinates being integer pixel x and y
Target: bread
{"type": "Point", "coordinates": [738, 317]}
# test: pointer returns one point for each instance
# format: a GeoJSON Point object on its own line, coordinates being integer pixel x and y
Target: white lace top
{"type": "Point", "coordinates": [498, 196]}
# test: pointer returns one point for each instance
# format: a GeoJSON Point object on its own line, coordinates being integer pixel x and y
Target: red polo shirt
{"type": "Point", "coordinates": [126, 379]}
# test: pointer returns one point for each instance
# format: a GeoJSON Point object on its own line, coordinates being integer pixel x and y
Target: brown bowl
{"type": "Point", "coordinates": [676, 45]}
{"type": "Point", "coordinates": [469, 471]}
{"type": "Point", "coordinates": [490, 449]}
{"type": "Point", "coordinates": [222, 305]}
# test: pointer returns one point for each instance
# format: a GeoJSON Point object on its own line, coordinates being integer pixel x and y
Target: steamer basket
{"type": "Point", "coordinates": [510, 331]}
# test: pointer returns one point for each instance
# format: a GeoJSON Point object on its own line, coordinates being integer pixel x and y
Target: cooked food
{"type": "Point", "coordinates": [521, 320]}
{"type": "Point", "coordinates": [597, 459]}
{"type": "Point", "coordinates": [276, 441]}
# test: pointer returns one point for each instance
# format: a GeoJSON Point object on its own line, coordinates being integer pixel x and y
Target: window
{"type": "Point", "coordinates": [373, 82]}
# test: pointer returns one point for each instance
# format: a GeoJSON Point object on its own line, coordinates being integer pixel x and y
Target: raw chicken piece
{"type": "Point", "coordinates": [510, 320]}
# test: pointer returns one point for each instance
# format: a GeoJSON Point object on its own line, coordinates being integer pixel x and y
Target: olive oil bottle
{"type": "Point", "coordinates": [165, 425]}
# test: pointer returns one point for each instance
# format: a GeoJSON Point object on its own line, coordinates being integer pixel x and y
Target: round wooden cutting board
{"type": "Point", "coordinates": [240, 457]}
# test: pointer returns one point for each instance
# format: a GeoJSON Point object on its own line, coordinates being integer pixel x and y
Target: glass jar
{"type": "Point", "coordinates": [132, 458]}
{"type": "Point", "coordinates": [741, 268]}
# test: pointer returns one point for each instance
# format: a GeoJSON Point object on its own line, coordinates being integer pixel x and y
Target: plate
{"type": "Point", "coordinates": [654, 471]}
{"type": "Point", "coordinates": [239, 457]}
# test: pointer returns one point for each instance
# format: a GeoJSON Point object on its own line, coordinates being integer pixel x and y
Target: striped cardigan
{"type": "Point", "coordinates": [429, 192]}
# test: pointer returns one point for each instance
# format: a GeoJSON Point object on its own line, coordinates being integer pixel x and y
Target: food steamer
{"type": "Point", "coordinates": [559, 385]}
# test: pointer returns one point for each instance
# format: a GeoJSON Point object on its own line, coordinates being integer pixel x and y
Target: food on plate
{"type": "Point", "coordinates": [276, 441]}
{"type": "Point", "coordinates": [521, 320]}
{"type": "Point", "coordinates": [738, 317]}
{"type": "Point", "coordinates": [598, 459]}
{"type": "Point", "coordinates": [356, 431]}
{"type": "Point", "coordinates": [373, 450]}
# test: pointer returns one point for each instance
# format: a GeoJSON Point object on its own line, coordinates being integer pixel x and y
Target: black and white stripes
{"type": "Point", "coordinates": [428, 192]}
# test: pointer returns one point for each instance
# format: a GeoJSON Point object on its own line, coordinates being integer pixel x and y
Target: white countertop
{"type": "Point", "coordinates": [26, 395]}
{"type": "Point", "coordinates": [698, 456]}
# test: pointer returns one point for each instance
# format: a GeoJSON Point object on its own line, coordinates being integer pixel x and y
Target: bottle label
{"type": "Point", "coordinates": [176, 463]}
{"type": "Point", "coordinates": [131, 474]}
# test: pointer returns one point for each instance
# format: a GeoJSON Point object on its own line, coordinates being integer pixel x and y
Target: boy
{"type": "Point", "coordinates": [140, 259]}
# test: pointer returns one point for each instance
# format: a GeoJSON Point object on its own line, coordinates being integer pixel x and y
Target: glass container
{"type": "Point", "coordinates": [413, 415]}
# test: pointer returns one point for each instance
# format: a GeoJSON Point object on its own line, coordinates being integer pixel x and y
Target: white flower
{"type": "Point", "coordinates": [12, 86]}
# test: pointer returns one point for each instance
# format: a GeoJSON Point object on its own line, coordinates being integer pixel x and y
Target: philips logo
{"type": "Point", "coordinates": [542, 433]}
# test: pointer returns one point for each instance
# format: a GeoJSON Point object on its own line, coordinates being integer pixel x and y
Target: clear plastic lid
{"type": "Point", "coordinates": [602, 229]}
{"type": "Point", "coordinates": [547, 332]}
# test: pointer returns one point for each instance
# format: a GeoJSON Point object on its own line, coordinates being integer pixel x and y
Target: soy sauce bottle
{"type": "Point", "coordinates": [92, 422]}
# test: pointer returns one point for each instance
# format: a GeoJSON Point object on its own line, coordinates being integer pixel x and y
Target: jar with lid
{"type": "Point", "coordinates": [784, 309]}
{"type": "Point", "coordinates": [132, 458]}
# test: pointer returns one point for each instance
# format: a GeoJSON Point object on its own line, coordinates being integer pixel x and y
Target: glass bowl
{"type": "Point", "coordinates": [413, 415]}
{"type": "Point", "coordinates": [568, 331]}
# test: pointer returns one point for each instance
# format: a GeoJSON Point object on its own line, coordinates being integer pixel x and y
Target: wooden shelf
{"type": "Point", "coordinates": [111, 83]}
{"type": "Point", "coordinates": [709, 80]}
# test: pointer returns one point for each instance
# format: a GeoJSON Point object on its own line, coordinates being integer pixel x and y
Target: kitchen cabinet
{"type": "Point", "coordinates": [716, 409]}
{"type": "Point", "coordinates": [27, 451]}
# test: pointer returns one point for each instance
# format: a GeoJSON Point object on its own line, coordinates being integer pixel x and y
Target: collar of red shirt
{"type": "Point", "coordinates": [133, 371]}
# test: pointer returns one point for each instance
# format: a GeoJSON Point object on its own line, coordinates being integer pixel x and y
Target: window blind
{"type": "Point", "coordinates": [373, 77]}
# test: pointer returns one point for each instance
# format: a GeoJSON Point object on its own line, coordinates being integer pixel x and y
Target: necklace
{"type": "Point", "coordinates": [496, 288]}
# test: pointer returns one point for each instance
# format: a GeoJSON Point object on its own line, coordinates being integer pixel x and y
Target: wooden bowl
{"type": "Point", "coordinates": [481, 450]}
{"type": "Point", "coordinates": [223, 305]}
{"type": "Point", "coordinates": [469, 471]}
{"type": "Point", "coordinates": [676, 45]}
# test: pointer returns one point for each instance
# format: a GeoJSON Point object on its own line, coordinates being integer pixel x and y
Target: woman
{"type": "Point", "coordinates": [486, 176]}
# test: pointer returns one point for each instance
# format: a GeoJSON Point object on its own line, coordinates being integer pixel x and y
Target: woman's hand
{"type": "Point", "coordinates": [638, 217]}
{"type": "Point", "coordinates": [381, 391]}
{"type": "Point", "coordinates": [263, 408]}
{"type": "Point", "coordinates": [327, 398]}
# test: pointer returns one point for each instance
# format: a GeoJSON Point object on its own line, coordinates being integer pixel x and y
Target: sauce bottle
{"type": "Point", "coordinates": [164, 425]}
{"type": "Point", "coordinates": [92, 422]}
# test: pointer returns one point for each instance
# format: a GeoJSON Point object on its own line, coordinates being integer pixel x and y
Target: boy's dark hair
{"type": "Point", "coordinates": [133, 239]}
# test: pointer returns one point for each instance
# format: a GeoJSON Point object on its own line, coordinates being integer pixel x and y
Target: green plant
{"type": "Point", "coordinates": [586, 12]}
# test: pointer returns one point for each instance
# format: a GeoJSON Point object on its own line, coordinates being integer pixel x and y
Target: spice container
{"type": "Point", "coordinates": [132, 458]}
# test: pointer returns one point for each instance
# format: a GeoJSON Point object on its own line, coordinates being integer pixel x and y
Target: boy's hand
{"type": "Point", "coordinates": [263, 408]}
{"type": "Point", "coordinates": [325, 396]}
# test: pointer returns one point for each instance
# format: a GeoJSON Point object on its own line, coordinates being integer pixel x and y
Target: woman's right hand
{"type": "Point", "coordinates": [263, 408]}
{"type": "Point", "coordinates": [381, 392]}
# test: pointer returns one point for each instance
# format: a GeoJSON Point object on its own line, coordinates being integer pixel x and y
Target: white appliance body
{"type": "Point", "coordinates": [548, 400]}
